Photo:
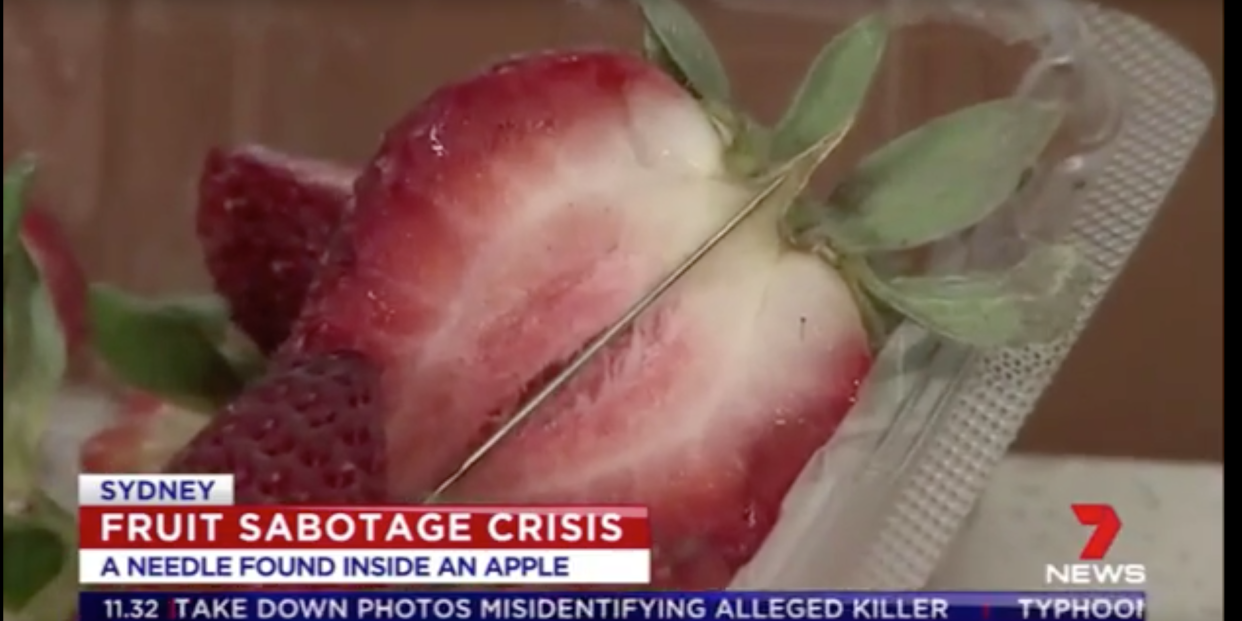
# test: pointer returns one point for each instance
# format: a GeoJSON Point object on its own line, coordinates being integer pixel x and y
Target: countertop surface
{"type": "Point", "coordinates": [1172, 521]}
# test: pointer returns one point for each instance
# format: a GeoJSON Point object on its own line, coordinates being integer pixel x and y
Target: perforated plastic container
{"type": "Point", "coordinates": [120, 100]}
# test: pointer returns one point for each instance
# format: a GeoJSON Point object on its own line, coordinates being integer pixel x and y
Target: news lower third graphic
{"type": "Point", "coordinates": [173, 532]}
{"type": "Point", "coordinates": [180, 530]}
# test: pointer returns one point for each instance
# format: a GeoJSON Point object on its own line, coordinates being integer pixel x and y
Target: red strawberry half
{"type": "Point", "coordinates": [144, 434]}
{"type": "Point", "coordinates": [308, 433]}
{"type": "Point", "coordinates": [512, 217]}
{"type": "Point", "coordinates": [264, 220]}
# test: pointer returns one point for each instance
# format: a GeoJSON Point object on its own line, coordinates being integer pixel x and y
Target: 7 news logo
{"type": "Point", "coordinates": [1092, 569]}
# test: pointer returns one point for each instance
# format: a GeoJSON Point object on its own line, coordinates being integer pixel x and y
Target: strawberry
{"type": "Point", "coordinates": [52, 253]}
{"type": "Point", "coordinates": [264, 220]}
{"type": "Point", "coordinates": [513, 216]}
{"type": "Point", "coordinates": [45, 241]}
{"type": "Point", "coordinates": [143, 435]}
{"type": "Point", "coordinates": [307, 433]}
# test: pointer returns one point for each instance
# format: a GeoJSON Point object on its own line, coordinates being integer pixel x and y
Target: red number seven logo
{"type": "Point", "coordinates": [1106, 524]}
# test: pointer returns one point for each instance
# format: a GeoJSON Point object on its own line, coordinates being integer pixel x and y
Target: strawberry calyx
{"type": "Point", "coordinates": [931, 184]}
{"type": "Point", "coordinates": [39, 535]}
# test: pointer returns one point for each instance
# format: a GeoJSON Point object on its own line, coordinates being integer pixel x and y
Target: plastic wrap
{"type": "Point", "coordinates": [121, 100]}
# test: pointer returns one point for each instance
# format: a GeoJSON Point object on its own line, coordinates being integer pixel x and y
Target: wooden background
{"type": "Point", "coordinates": [121, 98]}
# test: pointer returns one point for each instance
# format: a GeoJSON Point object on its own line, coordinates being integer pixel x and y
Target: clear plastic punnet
{"type": "Point", "coordinates": [575, 252]}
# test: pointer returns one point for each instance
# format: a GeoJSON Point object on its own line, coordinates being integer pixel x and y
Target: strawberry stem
{"type": "Point", "coordinates": [749, 150]}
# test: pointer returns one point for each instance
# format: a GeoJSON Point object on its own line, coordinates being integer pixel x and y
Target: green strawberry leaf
{"type": "Point", "coordinates": [34, 555]}
{"type": "Point", "coordinates": [938, 180]}
{"type": "Point", "coordinates": [834, 89]}
{"type": "Point", "coordinates": [655, 52]}
{"type": "Point", "coordinates": [209, 312]}
{"type": "Point", "coordinates": [170, 348]}
{"type": "Point", "coordinates": [675, 41]}
{"type": "Point", "coordinates": [40, 576]}
{"type": "Point", "coordinates": [16, 182]}
{"type": "Point", "coordinates": [1036, 301]}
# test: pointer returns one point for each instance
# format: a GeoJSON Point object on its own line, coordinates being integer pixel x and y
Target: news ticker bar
{"type": "Point", "coordinates": [620, 606]}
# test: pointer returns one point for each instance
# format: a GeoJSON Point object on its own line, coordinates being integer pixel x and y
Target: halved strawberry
{"type": "Point", "coordinates": [311, 432]}
{"type": "Point", "coordinates": [264, 220]}
{"type": "Point", "coordinates": [512, 217]}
